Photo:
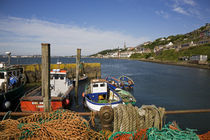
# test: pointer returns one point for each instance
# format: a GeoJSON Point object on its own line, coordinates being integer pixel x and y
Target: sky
{"type": "Point", "coordinates": [94, 25]}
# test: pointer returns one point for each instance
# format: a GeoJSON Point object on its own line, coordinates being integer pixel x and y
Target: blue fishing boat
{"type": "Point", "coordinates": [98, 94]}
{"type": "Point", "coordinates": [127, 82]}
{"type": "Point", "coordinates": [114, 82]}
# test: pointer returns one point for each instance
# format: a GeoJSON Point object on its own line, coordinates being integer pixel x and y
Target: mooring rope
{"type": "Point", "coordinates": [128, 118]}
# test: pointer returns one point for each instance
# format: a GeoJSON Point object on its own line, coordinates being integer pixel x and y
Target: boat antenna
{"type": "Point", "coordinates": [9, 57]}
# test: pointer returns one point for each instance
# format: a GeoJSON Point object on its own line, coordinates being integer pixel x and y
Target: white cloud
{"type": "Point", "coordinates": [162, 14]}
{"type": "Point", "coordinates": [185, 2]}
{"type": "Point", "coordinates": [180, 10]}
{"type": "Point", "coordinates": [186, 7]}
{"type": "Point", "coordinates": [189, 2]}
{"type": "Point", "coordinates": [24, 36]}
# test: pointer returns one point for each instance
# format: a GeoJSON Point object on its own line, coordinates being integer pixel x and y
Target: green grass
{"type": "Point", "coordinates": [172, 55]}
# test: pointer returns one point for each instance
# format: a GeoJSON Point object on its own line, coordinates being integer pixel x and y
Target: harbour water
{"type": "Point", "coordinates": [172, 87]}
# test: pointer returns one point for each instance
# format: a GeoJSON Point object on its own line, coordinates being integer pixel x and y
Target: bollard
{"type": "Point", "coordinates": [106, 115]}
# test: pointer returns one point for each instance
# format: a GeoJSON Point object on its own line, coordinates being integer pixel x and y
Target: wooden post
{"type": "Point", "coordinates": [77, 74]}
{"type": "Point", "coordinates": [46, 76]}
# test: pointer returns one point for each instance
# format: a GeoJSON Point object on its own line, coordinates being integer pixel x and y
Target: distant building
{"type": "Point", "coordinates": [130, 48]}
{"type": "Point", "coordinates": [146, 43]}
{"type": "Point", "coordinates": [115, 55]}
{"type": "Point", "coordinates": [162, 39]}
{"type": "Point", "coordinates": [158, 48]}
{"type": "Point", "coordinates": [99, 55]}
{"type": "Point", "coordinates": [147, 50]}
{"type": "Point", "coordinates": [205, 34]}
{"type": "Point", "coordinates": [126, 54]}
{"type": "Point", "coordinates": [192, 43]}
{"type": "Point", "coordinates": [169, 44]}
{"type": "Point", "coordinates": [203, 42]}
{"type": "Point", "coordinates": [199, 58]}
{"type": "Point", "coordinates": [185, 45]}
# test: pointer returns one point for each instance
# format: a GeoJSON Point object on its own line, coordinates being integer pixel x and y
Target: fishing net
{"type": "Point", "coordinates": [169, 132]}
{"type": "Point", "coordinates": [60, 124]}
{"type": "Point", "coordinates": [137, 135]}
{"type": "Point", "coordinates": [106, 133]}
{"type": "Point", "coordinates": [205, 136]}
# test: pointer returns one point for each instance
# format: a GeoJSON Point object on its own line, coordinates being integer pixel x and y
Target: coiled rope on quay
{"type": "Point", "coordinates": [146, 123]}
{"type": "Point", "coordinates": [129, 118]}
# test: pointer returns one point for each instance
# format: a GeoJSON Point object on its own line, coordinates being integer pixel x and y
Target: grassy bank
{"type": "Point", "coordinates": [172, 56]}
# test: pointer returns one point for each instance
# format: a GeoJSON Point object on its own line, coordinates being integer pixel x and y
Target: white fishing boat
{"type": "Point", "coordinates": [97, 94]}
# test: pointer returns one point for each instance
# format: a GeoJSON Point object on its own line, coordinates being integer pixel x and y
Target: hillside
{"type": "Point", "coordinates": [173, 55]}
{"type": "Point", "coordinates": [194, 36]}
{"type": "Point", "coordinates": [171, 48]}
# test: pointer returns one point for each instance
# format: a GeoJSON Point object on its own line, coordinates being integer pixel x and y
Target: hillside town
{"type": "Point", "coordinates": [193, 39]}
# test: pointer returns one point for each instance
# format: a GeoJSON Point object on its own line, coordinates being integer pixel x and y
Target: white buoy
{"type": "Point", "coordinates": [7, 104]}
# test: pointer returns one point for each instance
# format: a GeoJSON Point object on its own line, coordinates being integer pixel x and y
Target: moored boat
{"type": "Point", "coordinates": [98, 94]}
{"type": "Point", "coordinates": [127, 81]}
{"type": "Point", "coordinates": [12, 81]}
{"type": "Point", "coordinates": [114, 82]}
{"type": "Point", "coordinates": [60, 87]}
{"type": "Point", "coordinates": [126, 96]}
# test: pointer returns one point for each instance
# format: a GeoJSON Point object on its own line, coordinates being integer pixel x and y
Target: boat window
{"type": "Point", "coordinates": [61, 76]}
{"type": "Point", "coordinates": [56, 76]}
{"type": "Point", "coordinates": [102, 85]}
{"type": "Point", "coordinates": [95, 85]}
{"type": "Point", "coordinates": [1, 75]}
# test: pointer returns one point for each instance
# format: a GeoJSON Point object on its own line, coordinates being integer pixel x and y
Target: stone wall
{"type": "Point", "coordinates": [33, 71]}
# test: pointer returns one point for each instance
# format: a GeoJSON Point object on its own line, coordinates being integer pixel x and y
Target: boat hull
{"type": "Point", "coordinates": [38, 106]}
{"type": "Point", "coordinates": [33, 102]}
{"type": "Point", "coordinates": [12, 96]}
{"type": "Point", "coordinates": [97, 106]}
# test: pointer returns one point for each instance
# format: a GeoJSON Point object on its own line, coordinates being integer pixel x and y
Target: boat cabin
{"type": "Point", "coordinates": [59, 83]}
{"type": "Point", "coordinates": [98, 89]}
{"type": "Point", "coordinates": [98, 86]}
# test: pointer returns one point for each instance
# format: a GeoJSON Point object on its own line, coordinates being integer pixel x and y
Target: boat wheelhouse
{"type": "Point", "coordinates": [98, 94]}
